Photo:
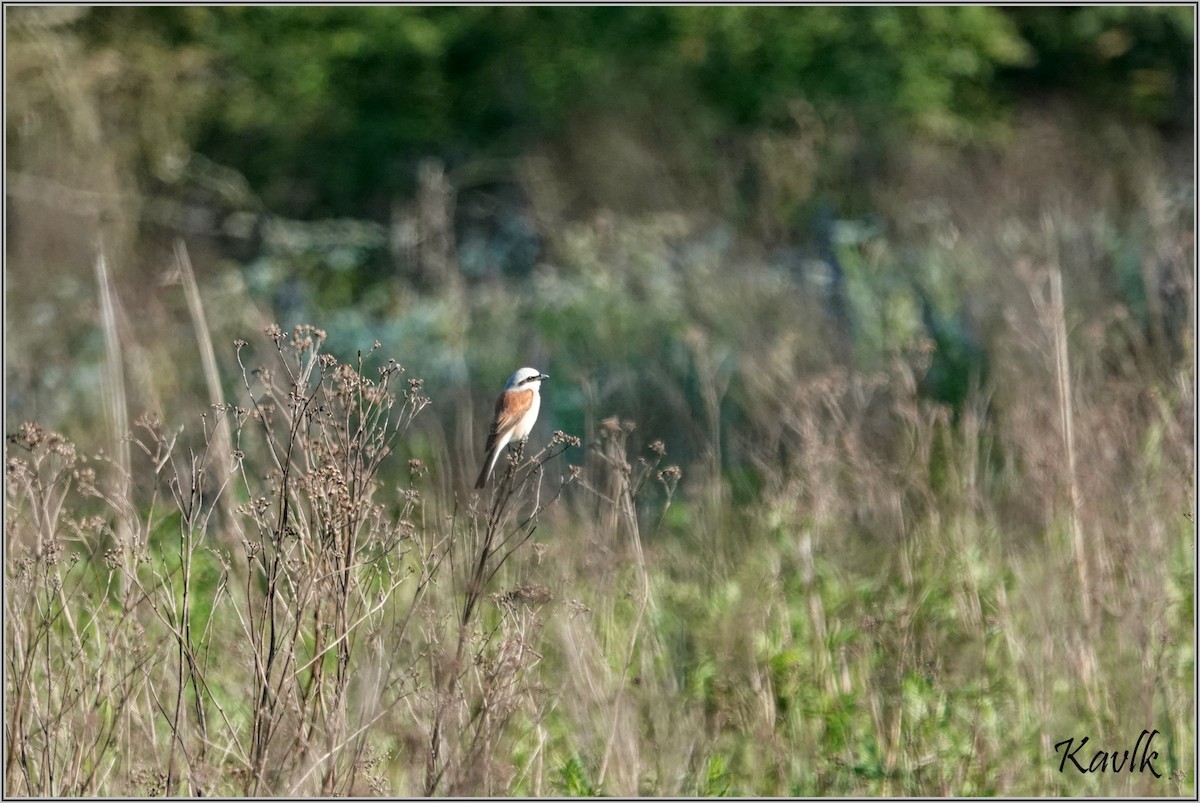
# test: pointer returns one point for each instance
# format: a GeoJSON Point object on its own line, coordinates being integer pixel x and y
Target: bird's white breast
{"type": "Point", "coordinates": [525, 425]}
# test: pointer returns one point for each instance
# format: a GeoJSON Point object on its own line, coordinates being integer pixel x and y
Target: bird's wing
{"type": "Point", "coordinates": [511, 407]}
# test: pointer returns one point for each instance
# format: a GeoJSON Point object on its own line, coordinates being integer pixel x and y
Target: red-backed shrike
{"type": "Point", "coordinates": [516, 411]}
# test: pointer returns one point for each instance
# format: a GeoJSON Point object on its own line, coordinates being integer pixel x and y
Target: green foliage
{"type": "Point", "coordinates": [1134, 58]}
{"type": "Point", "coordinates": [573, 779]}
{"type": "Point", "coordinates": [325, 110]}
{"type": "Point", "coordinates": [715, 781]}
{"type": "Point", "coordinates": [927, 65]}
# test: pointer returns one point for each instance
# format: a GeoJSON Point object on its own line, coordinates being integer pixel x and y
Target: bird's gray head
{"type": "Point", "coordinates": [526, 378]}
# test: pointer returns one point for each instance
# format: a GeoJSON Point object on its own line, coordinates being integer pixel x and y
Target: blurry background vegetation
{"type": "Point", "coordinates": [695, 219]}
{"type": "Point", "coordinates": [582, 168]}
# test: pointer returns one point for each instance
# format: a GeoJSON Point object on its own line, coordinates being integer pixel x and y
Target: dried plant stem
{"type": "Point", "coordinates": [496, 536]}
{"type": "Point", "coordinates": [634, 634]}
{"type": "Point", "coordinates": [1062, 371]}
{"type": "Point", "coordinates": [118, 407]}
{"type": "Point", "coordinates": [222, 437]}
{"type": "Point", "coordinates": [625, 485]}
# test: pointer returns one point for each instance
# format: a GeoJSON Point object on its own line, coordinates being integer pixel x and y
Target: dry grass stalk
{"type": "Point", "coordinates": [222, 437]}
{"type": "Point", "coordinates": [1062, 373]}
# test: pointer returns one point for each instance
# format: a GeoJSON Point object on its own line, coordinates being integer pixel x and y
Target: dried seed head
{"type": "Point", "coordinates": [562, 437]}
{"type": "Point", "coordinates": [17, 468]}
{"type": "Point", "coordinates": [576, 607]}
{"type": "Point", "coordinates": [148, 420]}
{"type": "Point", "coordinates": [529, 594]}
{"type": "Point", "coordinates": [31, 434]}
{"type": "Point", "coordinates": [62, 447]}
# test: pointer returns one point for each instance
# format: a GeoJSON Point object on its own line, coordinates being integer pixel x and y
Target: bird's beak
{"type": "Point", "coordinates": [543, 377]}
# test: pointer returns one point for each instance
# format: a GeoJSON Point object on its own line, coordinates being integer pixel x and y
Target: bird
{"type": "Point", "coordinates": [516, 412]}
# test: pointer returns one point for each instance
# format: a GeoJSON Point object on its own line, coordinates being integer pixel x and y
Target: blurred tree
{"type": "Point", "coordinates": [1137, 59]}
{"type": "Point", "coordinates": [328, 110]}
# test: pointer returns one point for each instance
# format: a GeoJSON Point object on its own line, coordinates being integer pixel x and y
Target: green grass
{"type": "Point", "coordinates": [768, 642]}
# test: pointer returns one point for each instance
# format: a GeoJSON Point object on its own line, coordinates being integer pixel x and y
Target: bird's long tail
{"type": "Point", "coordinates": [488, 464]}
